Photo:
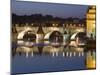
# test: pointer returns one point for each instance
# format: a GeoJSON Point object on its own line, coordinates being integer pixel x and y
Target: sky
{"type": "Point", "coordinates": [56, 10]}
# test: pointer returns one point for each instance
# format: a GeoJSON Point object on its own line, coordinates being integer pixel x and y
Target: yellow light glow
{"type": "Point", "coordinates": [91, 16]}
{"type": "Point", "coordinates": [92, 11]}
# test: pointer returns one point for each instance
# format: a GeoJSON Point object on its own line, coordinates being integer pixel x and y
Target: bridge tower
{"type": "Point", "coordinates": [90, 20]}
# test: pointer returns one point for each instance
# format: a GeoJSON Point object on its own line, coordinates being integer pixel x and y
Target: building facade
{"type": "Point", "coordinates": [91, 22]}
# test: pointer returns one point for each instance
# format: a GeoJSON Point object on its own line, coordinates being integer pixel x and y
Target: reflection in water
{"type": "Point", "coordinates": [55, 51]}
{"type": "Point", "coordinates": [49, 50]}
{"type": "Point", "coordinates": [40, 50]}
{"type": "Point", "coordinates": [90, 59]}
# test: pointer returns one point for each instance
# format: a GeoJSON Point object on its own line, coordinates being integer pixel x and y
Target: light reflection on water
{"type": "Point", "coordinates": [41, 58]}
{"type": "Point", "coordinates": [48, 49]}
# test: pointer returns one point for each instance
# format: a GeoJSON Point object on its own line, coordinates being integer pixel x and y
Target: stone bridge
{"type": "Point", "coordinates": [47, 31]}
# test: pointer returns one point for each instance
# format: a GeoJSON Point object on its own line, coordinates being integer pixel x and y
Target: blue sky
{"type": "Point", "coordinates": [57, 10]}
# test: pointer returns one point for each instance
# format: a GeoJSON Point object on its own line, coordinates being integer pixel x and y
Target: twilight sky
{"type": "Point", "coordinates": [57, 10]}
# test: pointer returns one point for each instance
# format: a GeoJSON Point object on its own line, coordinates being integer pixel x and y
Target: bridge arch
{"type": "Point", "coordinates": [54, 36]}
{"type": "Point", "coordinates": [29, 36]}
{"type": "Point", "coordinates": [77, 34]}
{"type": "Point", "coordinates": [48, 35]}
{"type": "Point", "coordinates": [22, 33]}
{"type": "Point", "coordinates": [78, 41]}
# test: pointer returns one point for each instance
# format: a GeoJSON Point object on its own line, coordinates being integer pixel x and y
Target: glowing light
{"type": "Point", "coordinates": [53, 24]}
{"type": "Point", "coordinates": [90, 61]}
{"type": "Point", "coordinates": [32, 24]}
{"type": "Point", "coordinates": [82, 25]}
{"type": "Point", "coordinates": [74, 53]}
{"type": "Point", "coordinates": [70, 54]}
{"type": "Point", "coordinates": [93, 25]}
{"type": "Point", "coordinates": [31, 53]}
{"type": "Point", "coordinates": [63, 54]}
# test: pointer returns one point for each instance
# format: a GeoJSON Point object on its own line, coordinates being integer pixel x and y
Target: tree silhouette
{"type": "Point", "coordinates": [39, 19]}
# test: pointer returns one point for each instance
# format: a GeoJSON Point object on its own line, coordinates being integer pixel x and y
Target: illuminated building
{"type": "Point", "coordinates": [91, 21]}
